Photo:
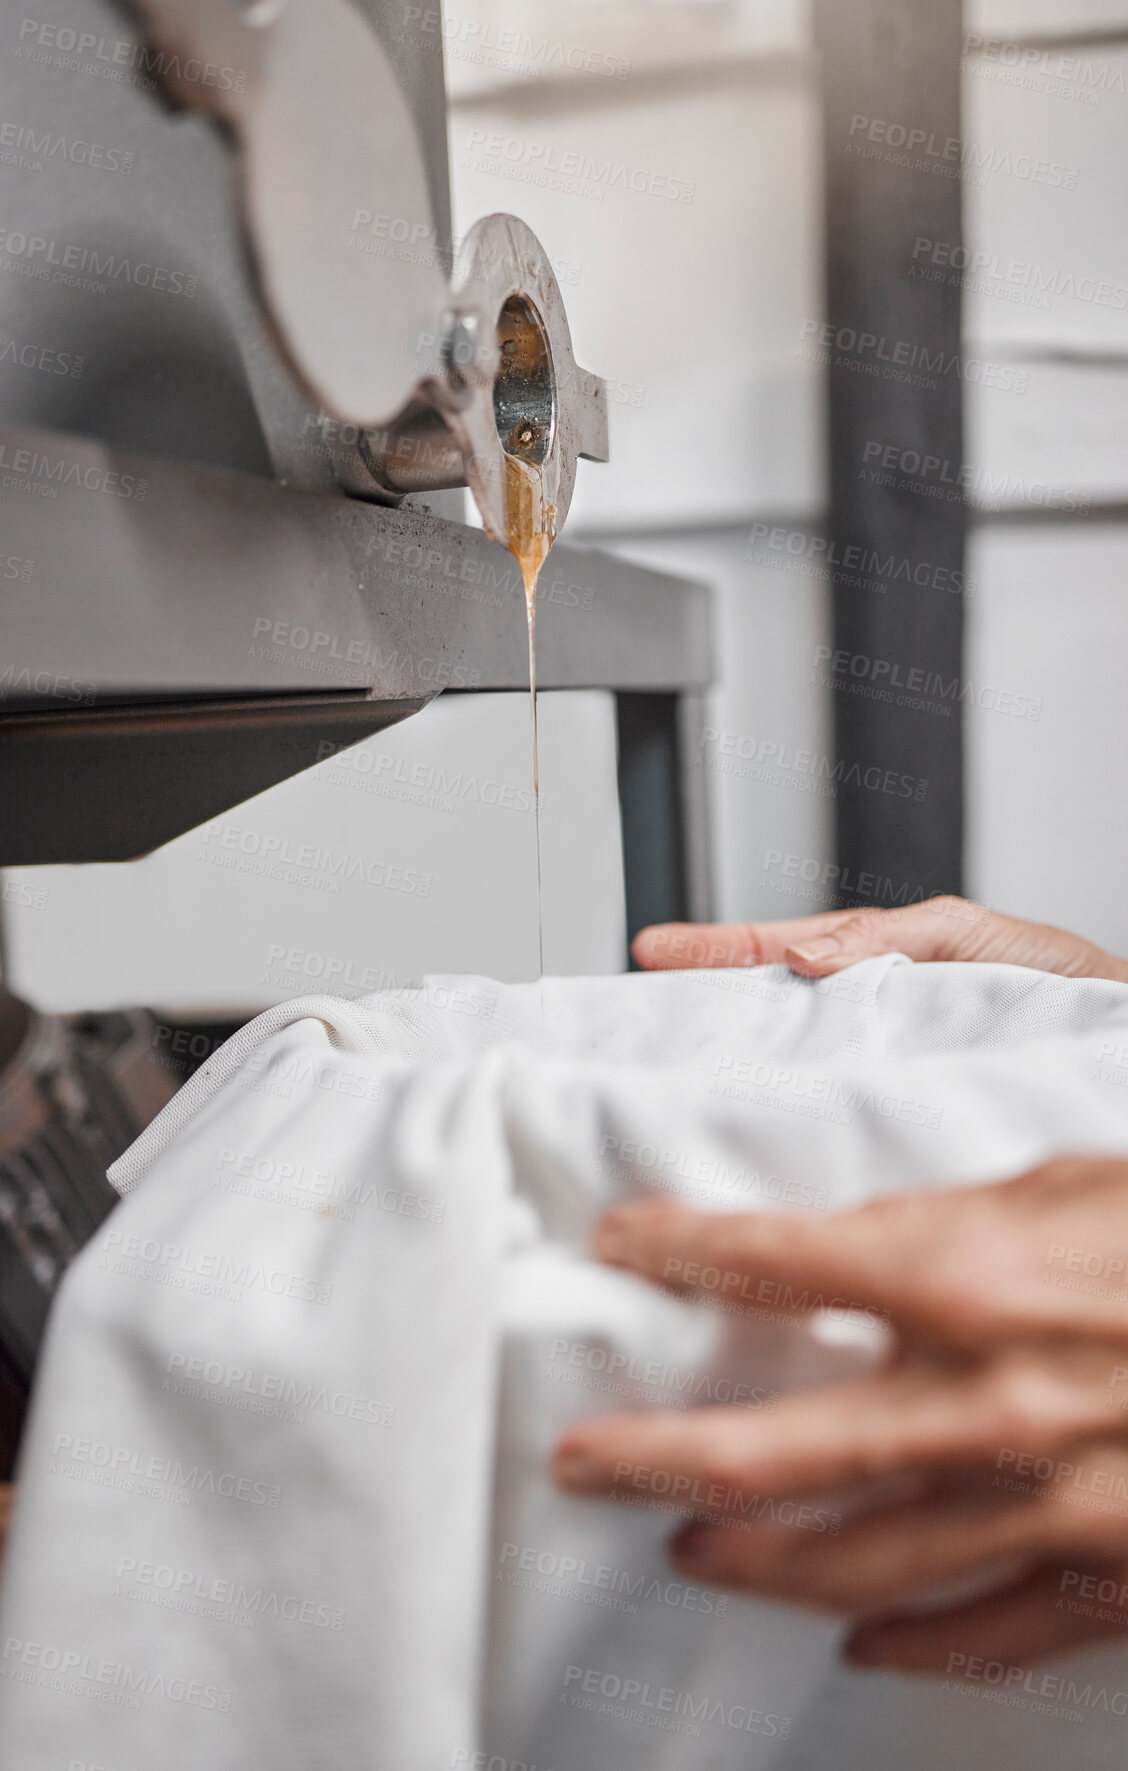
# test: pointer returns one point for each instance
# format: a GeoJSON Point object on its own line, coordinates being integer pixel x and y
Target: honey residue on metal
{"type": "Point", "coordinates": [530, 531]}
{"type": "Point", "coordinates": [530, 524]}
{"type": "Point", "coordinates": [524, 417]}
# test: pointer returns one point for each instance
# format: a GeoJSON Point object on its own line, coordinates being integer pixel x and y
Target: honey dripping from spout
{"type": "Point", "coordinates": [530, 525]}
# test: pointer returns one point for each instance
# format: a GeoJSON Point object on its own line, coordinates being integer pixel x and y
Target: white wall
{"type": "Point", "coordinates": [1048, 829]}
{"type": "Point", "coordinates": [768, 746]}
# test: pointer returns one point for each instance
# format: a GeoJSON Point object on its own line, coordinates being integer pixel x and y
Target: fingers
{"type": "Point", "coordinates": [944, 928]}
{"type": "Point", "coordinates": [713, 1254]}
{"type": "Point", "coordinates": [967, 1267]}
{"type": "Point", "coordinates": [722, 1461]}
{"type": "Point", "coordinates": [994, 1640]}
{"type": "Point", "coordinates": [896, 1554]}
{"type": "Point", "coordinates": [883, 1259]}
{"type": "Point", "coordinates": [890, 1558]}
{"type": "Point", "coordinates": [941, 928]}
{"type": "Point", "coordinates": [682, 946]}
{"type": "Point", "coordinates": [817, 946]}
{"type": "Point", "coordinates": [1029, 1428]}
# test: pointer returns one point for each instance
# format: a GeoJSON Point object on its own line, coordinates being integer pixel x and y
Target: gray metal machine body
{"type": "Point", "coordinates": [241, 366]}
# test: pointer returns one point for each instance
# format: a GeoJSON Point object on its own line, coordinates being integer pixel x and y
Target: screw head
{"type": "Point", "coordinates": [460, 346]}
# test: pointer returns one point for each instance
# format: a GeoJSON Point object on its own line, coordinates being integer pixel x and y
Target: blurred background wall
{"type": "Point", "coordinates": [668, 154]}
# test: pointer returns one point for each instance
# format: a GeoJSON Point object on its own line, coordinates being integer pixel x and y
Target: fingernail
{"type": "Point", "coordinates": [573, 1469]}
{"type": "Point", "coordinates": [649, 943]}
{"type": "Point", "coordinates": [695, 1549]}
{"type": "Point", "coordinates": [813, 951]}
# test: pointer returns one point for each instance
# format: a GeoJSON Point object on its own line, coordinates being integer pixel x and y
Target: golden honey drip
{"type": "Point", "coordinates": [530, 523]}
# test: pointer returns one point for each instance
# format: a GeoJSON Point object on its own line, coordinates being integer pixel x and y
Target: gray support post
{"type": "Point", "coordinates": [663, 809]}
{"type": "Point", "coordinates": [893, 155]}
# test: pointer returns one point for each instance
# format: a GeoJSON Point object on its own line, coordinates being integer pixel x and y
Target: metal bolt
{"type": "Point", "coordinates": [460, 347]}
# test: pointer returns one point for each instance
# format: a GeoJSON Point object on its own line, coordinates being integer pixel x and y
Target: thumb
{"type": "Point", "coordinates": [937, 929]}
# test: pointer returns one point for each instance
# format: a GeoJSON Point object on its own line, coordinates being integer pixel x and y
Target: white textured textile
{"type": "Point", "coordinates": [283, 1496]}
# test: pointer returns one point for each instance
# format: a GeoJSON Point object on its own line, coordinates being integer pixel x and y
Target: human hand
{"type": "Point", "coordinates": [1004, 1407]}
{"type": "Point", "coordinates": [817, 946]}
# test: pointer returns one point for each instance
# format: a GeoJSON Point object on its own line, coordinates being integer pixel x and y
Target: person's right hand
{"type": "Point", "coordinates": [817, 946]}
{"type": "Point", "coordinates": [1000, 1412]}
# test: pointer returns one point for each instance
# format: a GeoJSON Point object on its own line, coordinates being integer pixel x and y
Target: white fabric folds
{"type": "Point", "coordinates": [283, 1499]}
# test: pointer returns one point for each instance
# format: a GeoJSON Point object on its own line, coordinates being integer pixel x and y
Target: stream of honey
{"type": "Point", "coordinates": [530, 524]}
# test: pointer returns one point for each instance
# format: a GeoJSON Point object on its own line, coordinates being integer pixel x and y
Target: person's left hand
{"type": "Point", "coordinates": [1004, 1407]}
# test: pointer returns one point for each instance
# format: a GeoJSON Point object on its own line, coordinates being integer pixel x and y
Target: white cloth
{"type": "Point", "coordinates": [283, 1497]}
